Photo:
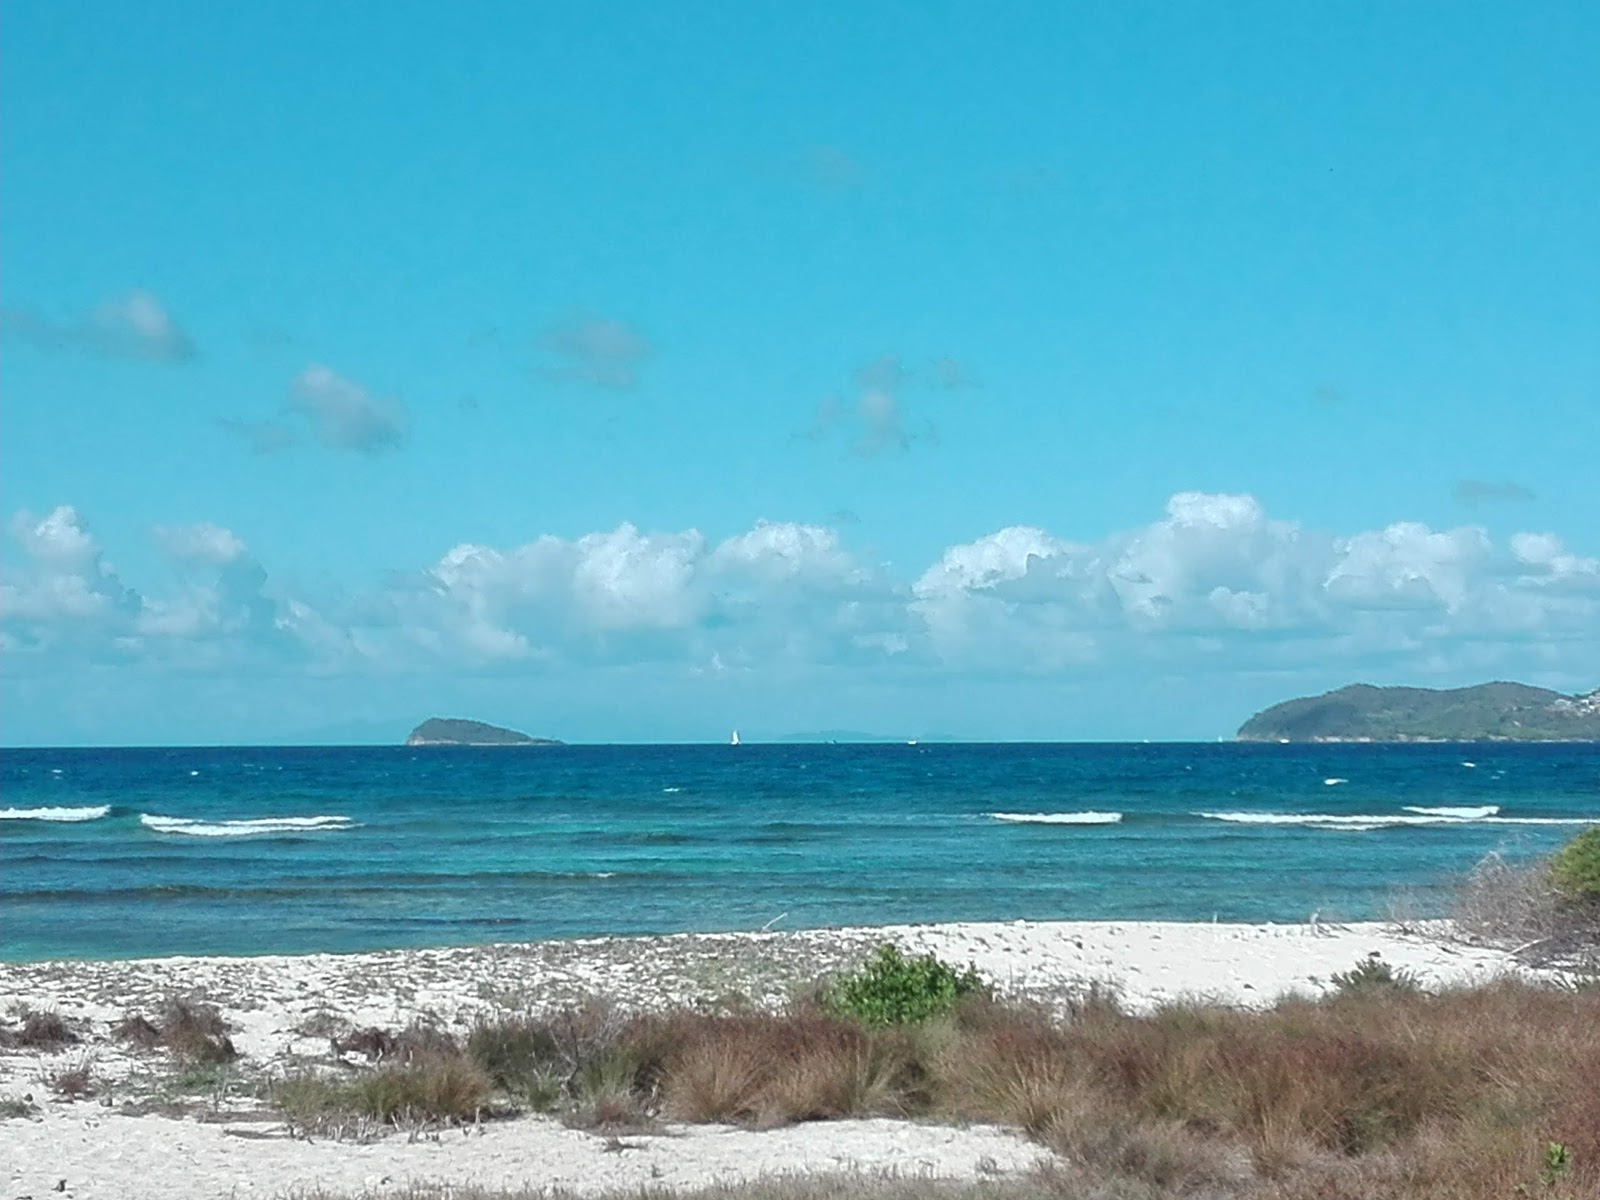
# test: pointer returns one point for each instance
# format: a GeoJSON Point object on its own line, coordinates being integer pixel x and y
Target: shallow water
{"type": "Point", "coordinates": [129, 852]}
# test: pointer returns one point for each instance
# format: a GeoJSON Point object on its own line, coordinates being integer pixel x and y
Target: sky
{"type": "Point", "coordinates": [635, 372]}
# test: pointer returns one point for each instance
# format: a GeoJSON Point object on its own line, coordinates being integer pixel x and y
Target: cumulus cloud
{"type": "Point", "coordinates": [1214, 583]}
{"type": "Point", "coordinates": [329, 410]}
{"type": "Point", "coordinates": [134, 327]}
{"type": "Point", "coordinates": [343, 415]}
{"type": "Point", "coordinates": [597, 351]}
{"type": "Point", "coordinates": [200, 542]}
{"type": "Point", "coordinates": [63, 588]}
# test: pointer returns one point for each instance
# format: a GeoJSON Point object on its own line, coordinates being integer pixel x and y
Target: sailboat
{"type": "Point", "coordinates": [734, 740]}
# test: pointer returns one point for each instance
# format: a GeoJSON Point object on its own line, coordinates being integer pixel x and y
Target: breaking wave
{"type": "Point", "coordinates": [1334, 781]}
{"type": "Point", "coordinates": [196, 828]}
{"type": "Point", "coordinates": [1062, 818]}
{"type": "Point", "coordinates": [91, 812]}
{"type": "Point", "coordinates": [1366, 822]}
{"type": "Point", "coordinates": [1468, 813]}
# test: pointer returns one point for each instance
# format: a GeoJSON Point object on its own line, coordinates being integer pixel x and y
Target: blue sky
{"type": "Point", "coordinates": [634, 371]}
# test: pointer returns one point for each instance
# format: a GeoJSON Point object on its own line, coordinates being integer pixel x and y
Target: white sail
{"type": "Point", "coordinates": [734, 741]}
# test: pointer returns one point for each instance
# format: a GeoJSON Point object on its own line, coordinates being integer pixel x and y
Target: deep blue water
{"type": "Point", "coordinates": [454, 846]}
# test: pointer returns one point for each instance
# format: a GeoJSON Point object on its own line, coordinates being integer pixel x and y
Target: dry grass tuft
{"type": "Point", "coordinates": [42, 1029]}
{"type": "Point", "coordinates": [770, 1070]}
{"type": "Point", "coordinates": [194, 1033]}
{"type": "Point", "coordinates": [1380, 1092]}
{"type": "Point", "coordinates": [136, 1029]}
{"type": "Point", "coordinates": [75, 1082]}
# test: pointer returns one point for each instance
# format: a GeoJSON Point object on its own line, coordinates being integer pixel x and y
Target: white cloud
{"type": "Point", "coordinates": [345, 416]}
{"type": "Point", "coordinates": [201, 542]}
{"type": "Point", "coordinates": [1214, 583]}
{"type": "Point", "coordinates": [134, 326]}
{"type": "Point", "coordinates": [64, 587]}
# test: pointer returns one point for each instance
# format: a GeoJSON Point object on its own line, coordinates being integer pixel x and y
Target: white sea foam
{"type": "Point", "coordinates": [671, 790]}
{"type": "Point", "coordinates": [1482, 815]}
{"type": "Point", "coordinates": [1062, 818]}
{"type": "Point", "coordinates": [1334, 780]}
{"type": "Point", "coordinates": [252, 828]}
{"type": "Point", "coordinates": [1467, 813]}
{"type": "Point", "coordinates": [1326, 820]}
{"type": "Point", "coordinates": [88, 813]}
{"type": "Point", "coordinates": [1465, 763]}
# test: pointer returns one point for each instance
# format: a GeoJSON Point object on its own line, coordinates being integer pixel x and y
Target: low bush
{"type": "Point", "coordinates": [1372, 974]}
{"type": "Point", "coordinates": [1381, 1093]}
{"type": "Point", "coordinates": [75, 1082]}
{"type": "Point", "coordinates": [447, 1088]}
{"type": "Point", "coordinates": [41, 1029]}
{"type": "Point", "coordinates": [892, 989]}
{"type": "Point", "coordinates": [1575, 868]}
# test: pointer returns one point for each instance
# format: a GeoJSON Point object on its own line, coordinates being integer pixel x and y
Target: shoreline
{"type": "Point", "coordinates": [280, 1009]}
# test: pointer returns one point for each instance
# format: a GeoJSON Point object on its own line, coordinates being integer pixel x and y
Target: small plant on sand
{"type": "Point", "coordinates": [16, 1107]}
{"type": "Point", "coordinates": [75, 1082]}
{"type": "Point", "coordinates": [1371, 975]}
{"type": "Point", "coordinates": [41, 1030]}
{"type": "Point", "coordinates": [892, 989]}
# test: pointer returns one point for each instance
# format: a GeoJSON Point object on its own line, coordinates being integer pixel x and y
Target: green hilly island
{"type": "Point", "coordinates": [1487, 712]}
{"type": "Point", "coordinates": [455, 731]}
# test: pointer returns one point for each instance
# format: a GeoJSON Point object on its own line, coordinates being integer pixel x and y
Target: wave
{"type": "Point", "coordinates": [192, 827]}
{"type": "Point", "coordinates": [1334, 781]}
{"type": "Point", "coordinates": [1061, 818]}
{"type": "Point", "coordinates": [1413, 816]}
{"type": "Point", "coordinates": [1467, 813]}
{"type": "Point", "coordinates": [91, 812]}
{"type": "Point", "coordinates": [1324, 820]}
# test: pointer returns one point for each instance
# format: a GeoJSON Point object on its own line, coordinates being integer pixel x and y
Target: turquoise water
{"type": "Point", "coordinates": [284, 850]}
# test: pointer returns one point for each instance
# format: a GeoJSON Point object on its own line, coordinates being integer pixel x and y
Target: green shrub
{"type": "Point", "coordinates": [895, 990]}
{"type": "Point", "coordinates": [1372, 974]}
{"type": "Point", "coordinates": [437, 1089]}
{"type": "Point", "coordinates": [1575, 869]}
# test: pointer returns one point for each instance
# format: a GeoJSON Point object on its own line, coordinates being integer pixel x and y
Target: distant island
{"type": "Point", "coordinates": [453, 731]}
{"type": "Point", "coordinates": [1489, 712]}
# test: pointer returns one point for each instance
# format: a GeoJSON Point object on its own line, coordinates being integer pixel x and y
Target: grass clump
{"type": "Point", "coordinates": [41, 1029]}
{"type": "Point", "coordinates": [1372, 974]}
{"type": "Point", "coordinates": [447, 1090]}
{"type": "Point", "coordinates": [14, 1108]}
{"type": "Point", "coordinates": [74, 1082]}
{"type": "Point", "coordinates": [892, 989]}
{"type": "Point", "coordinates": [194, 1033]}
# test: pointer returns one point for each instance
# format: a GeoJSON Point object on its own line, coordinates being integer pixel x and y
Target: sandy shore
{"type": "Point", "coordinates": [279, 1007]}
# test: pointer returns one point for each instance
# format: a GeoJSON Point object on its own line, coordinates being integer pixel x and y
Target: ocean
{"type": "Point", "coordinates": [135, 852]}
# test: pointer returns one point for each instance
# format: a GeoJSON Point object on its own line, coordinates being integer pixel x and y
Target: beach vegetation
{"type": "Point", "coordinates": [443, 1089]}
{"type": "Point", "coordinates": [893, 989]}
{"type": "Point", "coordinates": [1575, 868]}
{"type": "Point", "coordinates": [1372, 974]}
{"type": "Point", "coordinates": [1384, 1092]}
{"type": "Point", "coordinates": [137, 1030]}
{"type": "Point", "coordinates": [75, 1081]}
{"type": "Point", "coordinates": [15, 1108]}
{"type": "Point", "coordinates": [40, 1029]}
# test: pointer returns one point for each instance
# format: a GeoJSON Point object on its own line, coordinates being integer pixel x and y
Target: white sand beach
{"type": "Point", "coordinates": [230, 1145]}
